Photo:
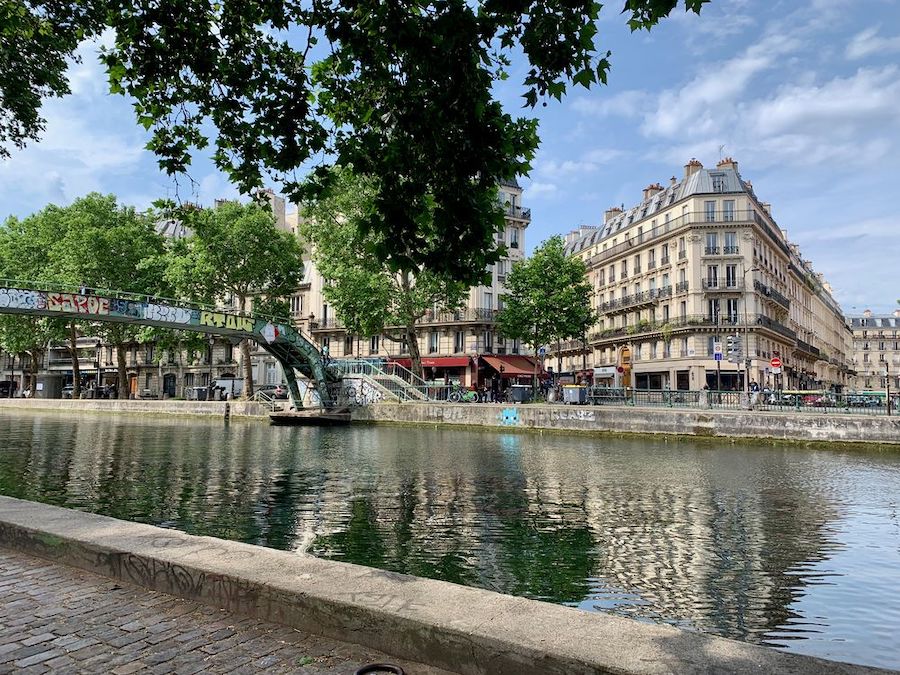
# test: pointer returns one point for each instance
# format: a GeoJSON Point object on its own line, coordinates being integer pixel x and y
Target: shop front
{"type": "Point", "coordinates": [444, 370]}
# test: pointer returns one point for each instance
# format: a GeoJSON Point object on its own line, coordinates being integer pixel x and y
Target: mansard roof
{"type": "Point", "coordinates": [718, 180]}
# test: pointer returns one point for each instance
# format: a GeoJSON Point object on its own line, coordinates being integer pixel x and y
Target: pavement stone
{"type": "Point", "coordinates": [57, 619]}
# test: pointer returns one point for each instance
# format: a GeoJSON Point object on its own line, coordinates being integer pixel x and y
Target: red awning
{"type": "Point", "coordinates": [447, 362]}
{"type": "Point", "coordinates": [513, 366]}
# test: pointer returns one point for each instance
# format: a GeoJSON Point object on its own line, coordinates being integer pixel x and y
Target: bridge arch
{"type": "Point", "coordinates": [293, 350]}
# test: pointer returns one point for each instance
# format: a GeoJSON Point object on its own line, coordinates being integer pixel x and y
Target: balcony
{"type": "Point", "coordinates": [651, 265]}
{"type": "Point", "coordinates": [682, 255]}
{"type": "Point", "coordinates": [731, 250]}
{"type": "Point", "coordinates": [711, 250]}
{"type": "Point", "coordinates": [664, 260]}
{"type": "Point", "coordinates": [684, 222]}
{"type": "Point", "coordinates": [637, 269]}
{"type": "Point", "coordinates": [722, 285]}
{"type": "Point", "coordinates": [770, 293]}
{"type": "Point", "coordinates": [517, 212]}
{"type": "Point", "coordinates": [634, 301]}
{"type": "Point", "coordinates": [477, 315]}
{"type": "Point", "coordinates": [771, 324]}
{"type": "Point", "coordinates": [681, 287]}
{"type": "Point", "coordinates": [806, 348]}
{"type": "Point", "coordinates": [690, 324]}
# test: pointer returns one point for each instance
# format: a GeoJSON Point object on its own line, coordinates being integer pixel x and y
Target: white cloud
{"type": "Point", "coordinates": [624, 104]}
{"type": "Point", "coordinates": [537, 190]}
{"type": "Point", "coordinates": [841, 105]}
{"type": "Point", "coordinates": [868, 42]}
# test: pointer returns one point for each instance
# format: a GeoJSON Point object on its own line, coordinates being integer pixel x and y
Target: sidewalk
{"type": "Point", "coordinates": [61, 620]}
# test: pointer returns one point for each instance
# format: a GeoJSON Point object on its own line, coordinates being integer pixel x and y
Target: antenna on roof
{"type": "Point", "coordinates": [721, 152]}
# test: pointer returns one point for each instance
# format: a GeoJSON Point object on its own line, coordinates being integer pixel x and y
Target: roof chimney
{"type": "Point", "coordinates": [672, 180]}
{"type": "Point", "coordinates": [727, 163]}
{"type": "Point", "coordinates": [651, 190]}
{"type": "Point", "coordinates": [897, 313]}
{"type": "Point", "coordinates": [610, 214]}
{"type": "Point", "coordinates": [692, 167]}
{"type": "Point", "coordinates": [767, 207]}
{"type": "Point", "coordinates": [867, 313]}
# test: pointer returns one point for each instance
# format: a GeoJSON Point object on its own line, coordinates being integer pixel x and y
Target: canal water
{"type": "Point", "coordinates": [794, 548]}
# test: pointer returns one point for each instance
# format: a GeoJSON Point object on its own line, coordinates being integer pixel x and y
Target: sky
{"type": "Point", "coordinates": [805, 95]}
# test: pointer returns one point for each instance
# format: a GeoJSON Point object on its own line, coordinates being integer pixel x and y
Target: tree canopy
{"type": "Point", "coordinates": [368, 295]}
{"type": "Point", "coordinates": [402, 91]}
{"type": "Point", "coordinates": [235, 250]}
{"type": "Point", "coordinates": [548, 297]}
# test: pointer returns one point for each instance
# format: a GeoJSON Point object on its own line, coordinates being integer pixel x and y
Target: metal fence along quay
{"type": "Point", "coordinates": [823, 402]}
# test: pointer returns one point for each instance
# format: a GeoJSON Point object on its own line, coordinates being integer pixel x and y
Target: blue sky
{"type": "Point", "coordinates": [805, 95]}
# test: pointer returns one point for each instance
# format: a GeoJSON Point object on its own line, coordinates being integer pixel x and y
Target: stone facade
{"type": "Point", "coordinates": [876, 350]}
{"type": "Point", "coordinates": [694, 263]}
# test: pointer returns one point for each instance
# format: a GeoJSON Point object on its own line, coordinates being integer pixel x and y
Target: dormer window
{"type": "Point", "coordinates": [719, 182]}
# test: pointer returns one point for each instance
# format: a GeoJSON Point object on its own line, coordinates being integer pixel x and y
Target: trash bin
{"type": "Point", "coordinates": [520, 393]}
{"type": "Point", "coordinates": [575, 394]}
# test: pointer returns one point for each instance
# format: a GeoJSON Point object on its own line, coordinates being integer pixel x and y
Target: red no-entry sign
{"type": "Point", "coordinates": [775, 362]}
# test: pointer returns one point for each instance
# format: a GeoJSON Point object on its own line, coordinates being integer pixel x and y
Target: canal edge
{"type": "Point", "coordinates": [467, 630]}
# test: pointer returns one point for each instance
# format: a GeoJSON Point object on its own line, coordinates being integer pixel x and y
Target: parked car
{"type": "Point", "coordinates": [67, 391]}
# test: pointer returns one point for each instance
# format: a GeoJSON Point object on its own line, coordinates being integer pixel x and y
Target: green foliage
{"type": "Point", "coordinates": [548, 297]}
{"type": "Point", "coordinates": [370, 296]}
{"type": "Point", "coordinates": [235, 249]}
{"type": "Point", "coordinates": [399, 90]}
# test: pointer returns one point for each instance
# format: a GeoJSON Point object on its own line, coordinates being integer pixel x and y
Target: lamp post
{"type": "Point", "coordinates": [747, 335]}
{"type": "Point", "coordinates": [209, 384]}
{"type": "Point", "coordinates": [887, 386]}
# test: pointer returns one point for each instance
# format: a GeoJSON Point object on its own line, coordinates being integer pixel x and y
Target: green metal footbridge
{"type": "Point", "coordinates": [295, 352]}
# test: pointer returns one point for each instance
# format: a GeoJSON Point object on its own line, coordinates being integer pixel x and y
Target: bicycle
{"type": "Point", "coordinates": [460, 395]}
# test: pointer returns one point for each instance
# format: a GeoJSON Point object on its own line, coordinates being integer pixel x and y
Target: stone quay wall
{"type": "Point", "coordinates": [249, 409]}
{"type": "Point", "coordinates": [795, 427]}
{"type": "Point", "coordinates": [464, 630]}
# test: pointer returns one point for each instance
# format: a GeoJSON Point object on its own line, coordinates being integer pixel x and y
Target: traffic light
{"type": "Point", "coordinates": [733, 348]}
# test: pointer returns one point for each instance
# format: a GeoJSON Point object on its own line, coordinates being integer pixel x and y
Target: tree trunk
{"type": "Point", "coordinates": [248, 368]}
{"type": "Point", "coordinates": [414, 353]}
{"type": "Point", "coordinates": [76, 371]}
{"type": "Point", "coordinates": [35, 365]}
{"type": "Point", "coordinates": [245, 355]}
{"type": "Point", "coordinates": [122, 386]}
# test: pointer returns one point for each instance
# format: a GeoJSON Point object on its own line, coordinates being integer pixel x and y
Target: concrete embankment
{"type": "Point", "coordinates": [143, 406]}
{"type": "Point", "coordinates": [467, 630]}
{"type": "Point", "coordinates": [784, 426]}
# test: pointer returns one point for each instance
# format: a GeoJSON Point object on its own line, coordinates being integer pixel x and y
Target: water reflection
{"type": "Point", "coordinates": [783, 546]}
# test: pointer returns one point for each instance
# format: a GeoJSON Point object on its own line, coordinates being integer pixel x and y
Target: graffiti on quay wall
{"type": "Point", "coordinates": [79, 304]}
{"type": "Point", "coordinates": [509, 417]}
{"type": "Point", "coordinates": [98, 305]}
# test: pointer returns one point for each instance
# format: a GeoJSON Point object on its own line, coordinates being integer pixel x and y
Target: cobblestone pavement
{"type": "Point", "coordinates": [56, 619]}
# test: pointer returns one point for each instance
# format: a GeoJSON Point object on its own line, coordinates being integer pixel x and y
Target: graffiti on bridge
{"type": "Point", "coordinates": [100, 306]}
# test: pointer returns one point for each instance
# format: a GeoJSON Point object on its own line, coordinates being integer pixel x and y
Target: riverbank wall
{"type": "Point", "coordinates": [247, 409]}
{"type": "Point", "coordinates": [725, 424]}
{"type": "Point", "coordinates": [464, 630]}
{"type": "Point", "coordinates": [736, 424]}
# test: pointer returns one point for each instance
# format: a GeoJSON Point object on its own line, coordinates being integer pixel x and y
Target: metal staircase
{"type": "Point", "coordinates": [396, 382]}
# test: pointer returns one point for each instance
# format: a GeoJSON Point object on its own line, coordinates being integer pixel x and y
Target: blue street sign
{"type": "Point", "coordinates": [718, 356]}
{"type": "Point", "coordinates": [542, 351]}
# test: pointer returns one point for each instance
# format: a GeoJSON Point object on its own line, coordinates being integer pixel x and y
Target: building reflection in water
{"type": "Point", "coordinates": [708, 536]}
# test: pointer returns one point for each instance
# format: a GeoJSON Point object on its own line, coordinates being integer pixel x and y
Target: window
{"type": "Point", "coordinates": [640, 234]}
{"type": "Point", "coordinates": [373, 344]}
{"type": "Point", "coordinates": [712, 243]}
{"type": "Point", "coordinates": [651, 259]}
{"type": "Point", "coordinates": [637, 264]}
{"type": "Point", "coordinates": [514, 237]}
{"type": "Point", "coordinates": [488, 341]}
{"type": "Point", "coordinates": [711, 344]}
{"type": "Point", "coordinates": [665, 281]}
{"type": "Point", "coordinates": [731, 243]}
{"type": "Point", "coordinates": [731, 276]}
{"type": "Point", "coordinates": [682, 249]}
{"type": "Point", "coordinates": [665, 254]}
{"type": "Point", "coordinates": [612, 273]}
{"type": "Point", "coordinates": [348, 345]}
{"type": "Point", "coordinates": [432, 342]}
{"type": "Point", "coordinates": [459, 341]}
{"type": "Point", "coordinates": [296, 305]}
{"type": "Point", "coordinates": [489, 301]}
{"type": "Point", "coordinates": [713, 307]}
{"type": "Point", "coordinates": [719, 182]}
{"type": "Point", "coordinates": [712, 276]}
{"type": "Point", "coordinates": [682, 309]}
{"type": "Point", "coordinates": [709, 208]}
{"type": "Point", "coordinates": [652, 284]}
{"type": "Point", "coordinates": [665, 311]}
{"type": "Point", "coordinates": [728, 210]}
{"type": "Point", "coordinates": [148, 353]}
{"type": "Point", "coordinates": [624, 269]}
{"type": "Point", "coordinates": [188, 379]}
{"type": "Point", "coordinates": [325, 314]}
{"type": "Point", "coordinates": [326, 346]}
{"type": "Point", "coordinates": [732, 309]}
{"type": "Point", "coordinates": [229, 352]}
{"type": "Point", "coordinates": [666, 223]}
{"type": "Point", "coordinates": [653, 349]}
{"type": "Point", "coordinates": [682, 276]}
{"type": "Point", "coordinates": [684, 346]}
{"type": "Point", "coordinates": [601, 278]}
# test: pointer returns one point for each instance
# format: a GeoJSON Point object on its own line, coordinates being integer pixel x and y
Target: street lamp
{"type": "Point", "coordinates": [747, 334]}
{"type": "Point", "coordinates": [209, 384]}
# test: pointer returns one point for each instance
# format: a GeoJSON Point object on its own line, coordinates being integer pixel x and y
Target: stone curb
{"type": "Point", "coordinates": [467, 630]}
